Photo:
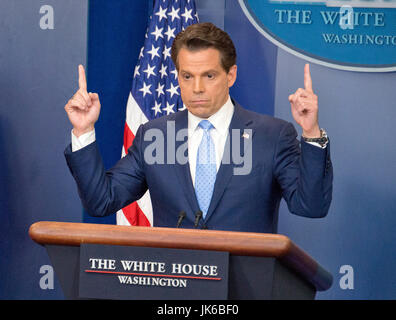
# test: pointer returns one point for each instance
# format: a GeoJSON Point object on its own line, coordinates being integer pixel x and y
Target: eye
{"type": "Point", "coordinates": [210, 75]}
{"type": "Point", "coordinates": [186, 76]}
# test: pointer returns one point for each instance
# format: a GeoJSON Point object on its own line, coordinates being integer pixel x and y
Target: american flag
{"type": "Point", "coordinates": [155, 90]}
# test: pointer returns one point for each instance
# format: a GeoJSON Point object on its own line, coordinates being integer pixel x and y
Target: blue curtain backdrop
{"type": "Point", "coordinates": [115, 35]}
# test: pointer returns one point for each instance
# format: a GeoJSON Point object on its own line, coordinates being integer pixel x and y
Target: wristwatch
{"type": "Point", "coordinates": [322, 140]}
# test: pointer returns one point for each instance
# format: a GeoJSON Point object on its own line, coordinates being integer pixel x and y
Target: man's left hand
{"type": "Point", "coordinates": [304, 107]}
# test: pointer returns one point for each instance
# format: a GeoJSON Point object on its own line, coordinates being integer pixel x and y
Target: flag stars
{"type": "Point", "coordinates": [154, 52]}
{"type": "Point", "coordinates": [163, 71]}
{"type": "Point", "coordinates": [174, 13]}
{"type": "Point", "coordinates": [170, 33]}
{"type": "Point", "coordinates": [145, 89]}
{"type": "Point", "coordinates": [153, 85]}
{"type": "Point", "coordinates": [187, 14]}
{"type": "Point", "coordinates": [161, 13]}
{"type": "Point", "coordinates": [174, 72]}
{"type": "Point", "coordinates": [173, 90]}
{"type": "Point", "coordinates": [149, 71]}
{"type": "Point", "coordinates": [166, 52]}
{"type": "Point", "coordinates": [169, 108]}
{"type": "Point", "coordinates": [157, 33]}
{"type": "Point", "coordinates": [156, 108]}
{"type": "Point", "coordinates": [160, 89]}
{"type": "Point", "coordinates": [141, 52]}
{"type": "Point", "coordinates": [136, 72]}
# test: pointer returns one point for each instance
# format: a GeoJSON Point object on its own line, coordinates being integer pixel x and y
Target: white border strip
{"type": "Point", "coordinates": [359, 4]}
{"type": "Point", "coordinates": [338, 3]}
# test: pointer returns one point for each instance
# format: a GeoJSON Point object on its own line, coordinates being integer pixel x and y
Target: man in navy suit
{"type": "Point", "coordinates": [255, 160]}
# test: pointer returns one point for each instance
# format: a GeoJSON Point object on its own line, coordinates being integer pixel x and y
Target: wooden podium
{"type": "Point", "coordinates": [261, 266]}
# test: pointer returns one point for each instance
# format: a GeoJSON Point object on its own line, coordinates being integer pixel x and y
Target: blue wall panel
{"type": "Point", "coordinates": [255, 85]}
{"type": "Point", "coordinates": [357, 110]}
{"type": "Point", "coordinates": [38, 76]}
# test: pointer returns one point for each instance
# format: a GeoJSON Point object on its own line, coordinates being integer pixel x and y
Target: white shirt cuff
{"type": "Point", "coordinates": [317, 144]}
{"type": "Point", "coordinates": [82, 141]}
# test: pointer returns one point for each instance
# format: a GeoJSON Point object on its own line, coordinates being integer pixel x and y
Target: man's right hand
{"type": "Point", "coordinates": [83, 108]}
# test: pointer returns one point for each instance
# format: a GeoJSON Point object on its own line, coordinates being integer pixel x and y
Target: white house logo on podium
{"type": "Point", "coordinates": [354, 35]}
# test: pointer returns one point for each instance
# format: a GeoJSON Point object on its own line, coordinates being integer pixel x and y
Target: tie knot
{"type": "Point", "coordinates": [206, 125]}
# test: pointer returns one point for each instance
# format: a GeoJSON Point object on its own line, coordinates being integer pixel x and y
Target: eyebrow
{"type": "Point", "coordinates": [203, 73]}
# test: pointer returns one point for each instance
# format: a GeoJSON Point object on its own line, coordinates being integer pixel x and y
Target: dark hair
{"type": "Point", "coordinates": [203, 36]}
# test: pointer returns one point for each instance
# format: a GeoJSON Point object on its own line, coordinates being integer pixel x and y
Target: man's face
{"type": "Point", "coordinates": [204, 84]}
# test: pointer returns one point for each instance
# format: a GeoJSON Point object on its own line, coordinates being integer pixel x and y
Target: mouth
{"type": "Point", "coordinates": [199, 102]}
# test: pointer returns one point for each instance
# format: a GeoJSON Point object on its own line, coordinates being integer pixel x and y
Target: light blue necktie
{"type": "Point", "coordinates": [205, 173]}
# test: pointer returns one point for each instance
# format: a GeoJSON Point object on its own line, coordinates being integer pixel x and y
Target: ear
{"type": "Point", "coordinates": [232, 75]}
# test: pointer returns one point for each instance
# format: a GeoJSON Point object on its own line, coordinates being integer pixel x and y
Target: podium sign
{"type": "Point", "coordinates": [124, 272]}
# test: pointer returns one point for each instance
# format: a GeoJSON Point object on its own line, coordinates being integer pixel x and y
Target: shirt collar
{"type": "Point", "coordinates": [220, 120]}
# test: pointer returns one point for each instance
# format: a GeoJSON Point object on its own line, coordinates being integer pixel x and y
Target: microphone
{"type": "Point", "coordinates": [182, 215]}
{"type": "Point", "coordinates": [198, 217]}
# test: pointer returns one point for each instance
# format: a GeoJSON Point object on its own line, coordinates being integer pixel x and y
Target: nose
{"type": "Point", "coordinates": [198, 85]}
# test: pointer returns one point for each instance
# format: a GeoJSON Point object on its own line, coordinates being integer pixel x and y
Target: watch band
{"type": "Point", "coordinates": [322, 140]}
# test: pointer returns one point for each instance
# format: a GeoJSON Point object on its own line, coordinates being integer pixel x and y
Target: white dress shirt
{"type": "Point", "coordinates": [220, 121]}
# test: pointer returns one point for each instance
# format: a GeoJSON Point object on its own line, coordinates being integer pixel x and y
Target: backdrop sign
{"type": "Point", "coordinates": [356, 35]}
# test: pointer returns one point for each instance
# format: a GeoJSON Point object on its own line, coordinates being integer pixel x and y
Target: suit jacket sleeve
{"type": "Point", "coordinates": [304, 174]}
{"type": "Point", "coordinates": [105, 192]}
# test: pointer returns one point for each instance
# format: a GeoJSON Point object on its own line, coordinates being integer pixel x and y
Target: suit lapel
{"type": "Point", "coordinates": [183, 169]}
{"type": "Point", "coordinates": [240, 121]}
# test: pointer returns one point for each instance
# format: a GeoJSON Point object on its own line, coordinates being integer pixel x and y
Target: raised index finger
{"type": "Point", "coordinates": [82, 81]}
{"type": "Point", "coordinates": [307, 78]}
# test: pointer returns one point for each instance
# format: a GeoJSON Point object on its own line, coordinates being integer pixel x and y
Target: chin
{"type": "Point", "coordinates": [200, 112]}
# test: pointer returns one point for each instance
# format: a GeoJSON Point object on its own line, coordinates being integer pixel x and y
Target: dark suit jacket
{"type": "Point", "coordinates": [281, 167]}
